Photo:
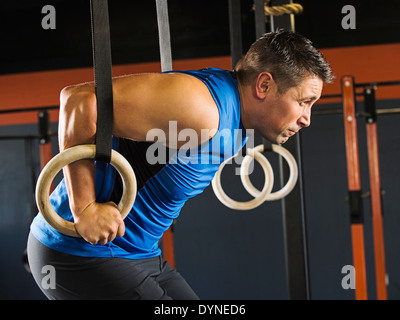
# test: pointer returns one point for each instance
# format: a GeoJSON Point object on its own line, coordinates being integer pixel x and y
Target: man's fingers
{"type": "Point", "coordinates": [121, 229]}
{"type": "Point", "coordinates": [104, 225]}
{"type": "Point", "coordinates": [119, 232]}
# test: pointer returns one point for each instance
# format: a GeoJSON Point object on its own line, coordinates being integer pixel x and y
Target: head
{"type": "Point", "coordinates": [285, 74]}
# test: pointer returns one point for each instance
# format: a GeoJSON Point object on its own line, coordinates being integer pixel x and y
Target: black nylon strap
{"type": "Point", "coordinates": [235, 27]}
{"type": "Point", "coordinates": [164, 36]}
{"type": "Point", "coordinates": [102, 77]}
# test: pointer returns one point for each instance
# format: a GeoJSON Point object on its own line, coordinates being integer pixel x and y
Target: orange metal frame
{"type": "Point", "coordinates": [168, 247]}
{"type": "Point", "coordinates": [376, 207]}
{"type": "Point", "coordinates": [354, 182]}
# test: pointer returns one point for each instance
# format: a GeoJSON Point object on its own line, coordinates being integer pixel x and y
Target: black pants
{"type": "Point", "coordinates": [64, 277]}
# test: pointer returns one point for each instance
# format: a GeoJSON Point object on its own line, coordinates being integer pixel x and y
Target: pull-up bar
{"type": "Point", "coordinates": [384, 111]}
{"type": "Point", "coordinates": [377, 84]}
{"type": "Point", "coordinates": [34, 109]}
{"type": "Point", "coordinates": [363, 85]}
{"type": "Point", "coordinates": [366, 113]}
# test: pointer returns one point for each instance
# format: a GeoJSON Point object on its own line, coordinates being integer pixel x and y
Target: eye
{"type": "Point", "coordinates": [302, 103]}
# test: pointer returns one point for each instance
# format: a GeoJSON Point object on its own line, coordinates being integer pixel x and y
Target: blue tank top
{"type": "Point", "coordinates": [162, 193]}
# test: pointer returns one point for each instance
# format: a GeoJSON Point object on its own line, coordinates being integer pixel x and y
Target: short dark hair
{"type": "Point", "coordinates": [288, 56]}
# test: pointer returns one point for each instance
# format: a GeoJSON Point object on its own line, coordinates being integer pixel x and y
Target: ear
{"type": "Point", "coordinates": [263, 82]}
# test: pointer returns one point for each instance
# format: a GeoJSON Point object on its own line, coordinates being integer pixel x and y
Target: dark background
{"type": "Point", "coordinates": [198, 29]}
{"type": "Point", "coordinates": [224, 254]}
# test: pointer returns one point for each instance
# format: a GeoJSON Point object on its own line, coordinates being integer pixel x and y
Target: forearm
{"type": "Point", "coordinates": [77, 126]}
{"type": "Point", "coordinates": [79, 179]}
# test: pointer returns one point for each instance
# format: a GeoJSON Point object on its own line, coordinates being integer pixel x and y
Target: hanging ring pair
{"type": "Point", "coordinates": [266, 193]}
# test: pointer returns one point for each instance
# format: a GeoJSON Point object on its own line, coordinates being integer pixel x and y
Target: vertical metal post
{"type": "Point", "coordinates": [44, 143]}
{"type": "Point", "coordinates": [259, 17]}
{"type": "Point", "coordinates": [235, 27]}
{"type": "Point", "coordinates": [166, 65]}
{"type": "Point", "coordinates": [282, 22]}
{"type": "Point", "coordinates": [164, 37]}
{"type": "Point", "coordinates": [293, 205]}
{"type": "Point", "coordinates": [375, 187]}
{"type": "Point", "coordinates": [354, 184]}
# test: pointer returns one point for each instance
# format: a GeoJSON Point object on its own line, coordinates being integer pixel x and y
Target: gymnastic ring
{"type": "Point", "coordinates": [286, 189]}
{"type": "Point", "coordinates": [246, 205]}
{"type": "Point", "coordinates": [68, 156]}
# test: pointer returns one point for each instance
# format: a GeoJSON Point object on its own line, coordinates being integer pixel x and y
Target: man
{"type": "Point", "coordinates": [271, 91]}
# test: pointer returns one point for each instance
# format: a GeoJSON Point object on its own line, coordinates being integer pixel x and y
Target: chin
{"type": "Point", "coordinates": [276, 139]}
{"type": "Point", "coordinates": [282, 140]}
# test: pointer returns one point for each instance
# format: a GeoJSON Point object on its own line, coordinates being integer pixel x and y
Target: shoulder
{"type": "Point", "coordinates": [193, 106]}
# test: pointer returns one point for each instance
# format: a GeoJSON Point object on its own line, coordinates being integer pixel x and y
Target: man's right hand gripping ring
{"type": "Point", "coordinates": [68, 156]}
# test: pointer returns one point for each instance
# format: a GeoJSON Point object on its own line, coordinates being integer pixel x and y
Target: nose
{"type": "Point", "coordinates": [305, 119]}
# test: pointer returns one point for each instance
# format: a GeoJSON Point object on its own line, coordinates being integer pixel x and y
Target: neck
{"type": "Point", "coordinates": [244, 94]}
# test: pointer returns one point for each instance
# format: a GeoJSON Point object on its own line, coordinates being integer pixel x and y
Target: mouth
{"type": "Point", "coordinates": [286, 135]}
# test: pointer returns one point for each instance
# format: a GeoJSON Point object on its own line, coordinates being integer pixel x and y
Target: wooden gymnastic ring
{"type": "Point", "coordinates": [286, 189]}
{"type": "Point", "coordinates": [68, 156]}
{"type": "Point", "coordinates": [261, 196]}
